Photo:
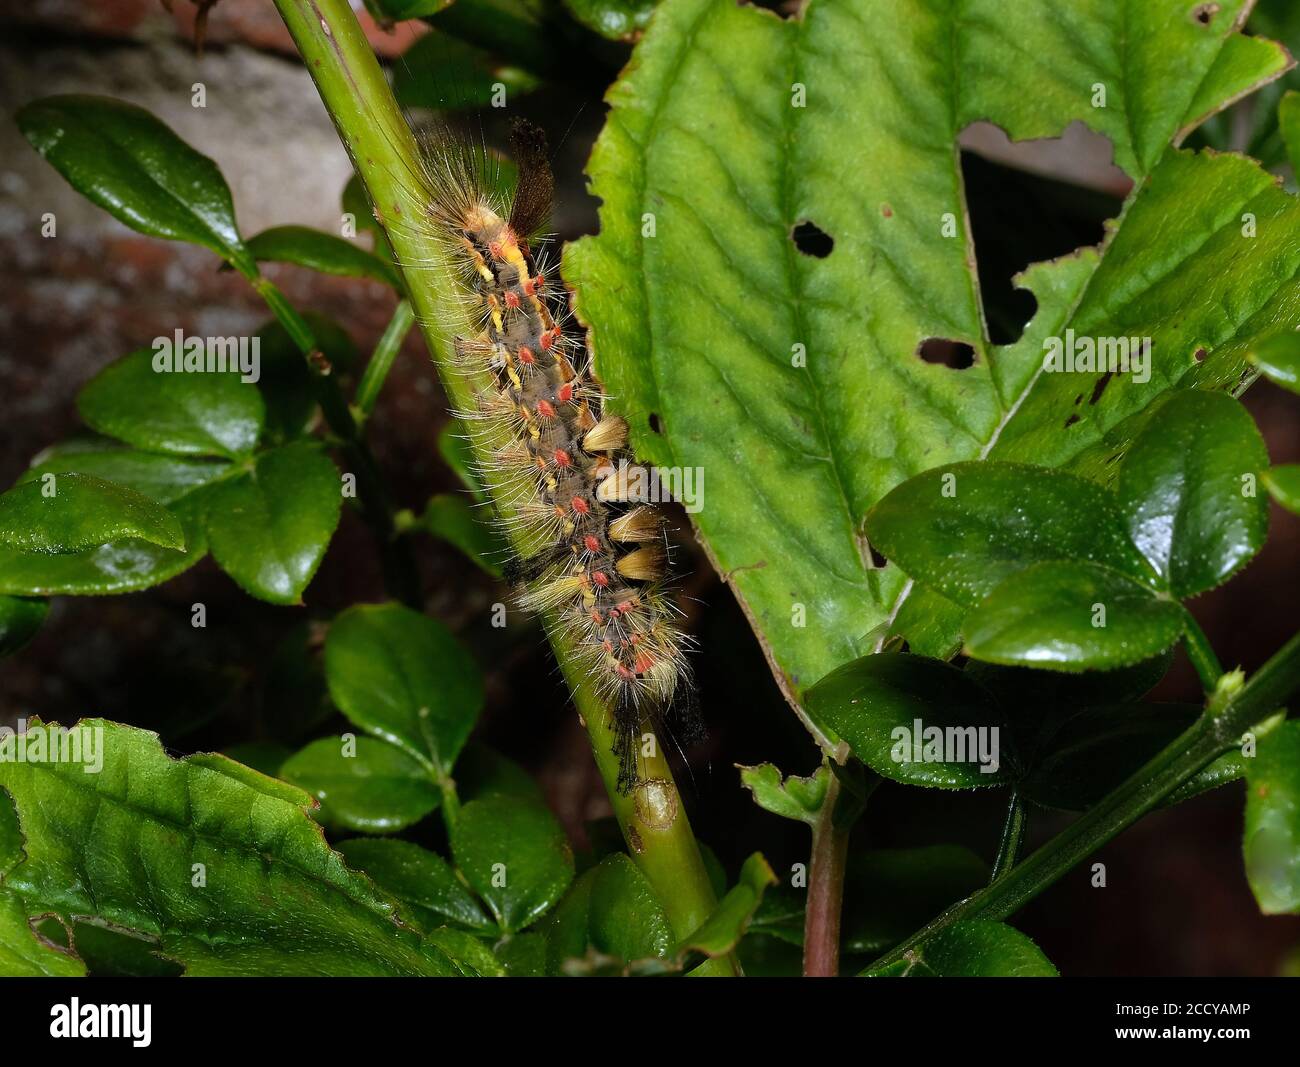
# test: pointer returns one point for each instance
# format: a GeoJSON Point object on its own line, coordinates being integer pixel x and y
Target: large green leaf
{"type": "Point", "coordinates": [163, 478]}
{"type": "Point", "coordinates": [973, 949]}
{"type": "Point", "coordinates": [421, 880]}
{"type": "Point", "coordinates": [794, 381]}
{"type": "Point", "coordinates": [404, 677]}
{"type": "Point", "coordinates": [270, 526]}
{"type": "Point", "coordinates": [220, 865]}
{"type": "Point", "coordinates": [1272, 839]}
{"type": "Point", "coordinates": [64, 513]}
{"type": "Point", "coordinates": [137, 169]}
{"type": "Point", "coordinates": [198, 413]}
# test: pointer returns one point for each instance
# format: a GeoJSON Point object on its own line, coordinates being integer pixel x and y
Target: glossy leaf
{"type": "Point", "coordinates": [163, 478]}
{"type": "Point", "coordinates": [137, 169]}
{"type": "Point", "coordinates": [807, 365]}
{"type": "Point", "coordinates": [723, 929]}
{"type": "Point", "coordinates": [1072, 617]}
{"type": "Point", "coordinates": [269, 528]}
{"type": "Point", "coordinates": [962, 530]}
{"type": "Point", "coordinates": [972, 949]}
{"type": "Point", "coordinates": [1283, 482]}
{"type": "Point", "coordinates": [1278, 356]}
{"type": "Point", "coordinates": [620, 20]}
{"type": "Point", "coordinates": [403, 677]}
{"type": "Point", "coordinates": [514, 856]}
{"type": "Point", "coordinates": [322, 252]}
{"type": "Point", "coordinates": [1272, 838]}
{"type": "Point", "coordinates": [377, 789]}
{"type": "Point", "coordinates": [268, 895]}
{"type": "Point", "coordinates": [793, 797]}
{"type": "Point", "coordinates": [443, 72]}
{"type": "Point", "coordinates": [1188, 491]}
{"type": "Point", "coordinates": [64, 513]}
{"type": "Point", "coordinates": [20, 620]}
{"type": "Point", "coordinates": [916, 720]}
{"type": "Point", "coordinates": [423, 883]}
{"type": "Point", "coordinates": [194, 413]}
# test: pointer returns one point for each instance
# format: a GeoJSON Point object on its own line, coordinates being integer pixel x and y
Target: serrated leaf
{"type": "Point", "coordinates": [1072, 617]}
{"type": "Point", "coordinates": [1272, 837]}
{"type": "Point", "coordinates": [807, 367]}
{"type": "Point", "coordinates": [377, 789]}
{"type": "Point", "coordinates": [65, 513]}
{"type": "Point", "coordinates": [269, 527]}
{"type": "Point", "coordinates": [972, 949]}
{"type": "Point", "coordinates": [1187, 489]}
{"type": "Point", "coordinates": [322, 252]}
{"type": "Point", "coordinates": [404, 677]}
{"type": "Point", "coordinates": [20, 620]}
{"type": "Point", "coordinates": [514, 856]}
{"type": "Point", "coordinates": [137, 169]}
{"type": "Point", "coordinates": [121, 847]}
{"type": "Point", "coordinates": [422, 881]}
{"type": "Point", "coordinates": [792, 797]}
{"type": "Point", "coordinates": [191, 413]}
{"type": "Point", "coordinates": [1283, 483]}
{"type": "Point", "coordinates": [915, 720]}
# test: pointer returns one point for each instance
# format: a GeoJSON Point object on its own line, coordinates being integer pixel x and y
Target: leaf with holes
{"type": "Point", "coordinates": [793, 379]}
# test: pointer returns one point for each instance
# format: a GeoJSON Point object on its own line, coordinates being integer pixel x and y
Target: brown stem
{"type": "Point", "coordinates": [821, 931]}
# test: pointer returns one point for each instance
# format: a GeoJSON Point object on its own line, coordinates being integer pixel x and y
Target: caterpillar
{"type": "Point", "coordinates": [594, 559]}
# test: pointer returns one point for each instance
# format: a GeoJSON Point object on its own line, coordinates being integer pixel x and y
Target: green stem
{"type": "Point", "coordinates": [400, 576]}
{"type": "Point", "coordinates": [381, 360]}
{"type": "Point", "coordinates": [1199, 651]}
{"type": "Point", "coordinates": [1230, 711]}
{"type": "Point", "coordinates": [1013, 832]}
{"type": "Point", "coordinates": [383, 150]}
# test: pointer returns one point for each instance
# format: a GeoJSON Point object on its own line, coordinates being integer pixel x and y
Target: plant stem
{"type": "Point", "coordinates": [383, 150]}
{"type": "Point", "coordinates": [400, 576]}
{"type": "Point", "coordinates": [1227, 715]}
{"type": "Point", "coordinates": [1013, 832]}
{"type": "Point", "coordinates": [381, 360]}
{"type": "Point", "coordinates": [821, 929]}
{"type": "Point", "coordinates": [1199, 651]}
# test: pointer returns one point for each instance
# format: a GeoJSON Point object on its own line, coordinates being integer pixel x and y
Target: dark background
{"type": "Point", "coordinates": [1176, 903]}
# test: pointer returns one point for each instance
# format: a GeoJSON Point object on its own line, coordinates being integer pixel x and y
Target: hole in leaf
{"type": "Point", "coordinates": [878, 561]}
{"type": "Point", "coordinates": [787, 9]}
{"type": "Point", "coordinates": [1204, 13]}
{"type": "Point", "coordinates": [947, 353]}
{"type": "Point", "coordinates": [655, 424]}
{"type": "Point", "coordinates": [1200, 355]}
{"type": "Point", "coordinates": [1100, 387]}
{"type": "Point", "coordinates": [1020, 215]}
{"type": "Point", "coordinates": [811, 240]}
{"type": "Point", "coordinates": [1074, 417]}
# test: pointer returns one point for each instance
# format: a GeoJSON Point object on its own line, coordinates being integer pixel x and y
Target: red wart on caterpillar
{"type": "Point", "coordinates": [594, 560]}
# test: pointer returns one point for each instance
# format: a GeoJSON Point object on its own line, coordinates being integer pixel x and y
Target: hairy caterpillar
{"type": "Point", "coordinates": [595, 560]}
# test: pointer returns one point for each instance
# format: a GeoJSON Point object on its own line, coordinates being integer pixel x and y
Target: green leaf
{"type": "Point", "coordinates": [972, 949]}
{"type": "Point", "coordinates": [890, 892]}
{"type": "Point", "coordinates": [269, 527]}
{"type": "Point", "coordinates": [801, 372]}
{"type": "Point", "coordinates": [138, 170]}
{"type": "Point", "coordinates": [193, 413]}
{"type": "Point", "coordinates": [163, 478]}
{"type": "Point", "coordinates": [1187, 488]}
{"type": "Point", "coordinates": [403, 677]}
{"type": "Point", "coordinates": [121, 847]}
{"type": "Point", "coordinates": [322, 252]}
{"type": "Point", "coordinates": [1096, 749]}
{"type": "Point", "coordinates": [454, 519]}
{"type": "Point", "coordinates": [65, 513]}
{"type": "Point", "coordinates": [121, 567]}
{"type": "Point", "coordinates": [723, 929]}
{"type": "Point", "coordinates": [481, 772]}
{"type": "Point", "coordinates": [1072, 617]}
{"type": "Point", "coordinates": [1283, 483]}
{"type": "Point", "coordinates": [20, 619]}
{"type": "Point", "coordinates": [963, 529]}
{"type": "Point", "coordinates": [619, 20]}
{"type": "Point", "coordinates": [917, 721]}
{"type": "Point", "coordinates": [405, 9]}
{"type": "Point", "coordinates": [1288, 118]}
{"type": "Point", "coordinates": [514, 856]}
{"type": "Point", "coordinates": [422, 882]}
{"type": "Point", "coordinates": [23, 953]}
{"type": "Point", "coordinates": [1277, 355]}
{"type": "Point", "coordinates": [442, 72]}
{"type": "Point", "coordinates": [793, 797]}
{"type": "Point", "coordinates": [377, 789]}
{"type": "Point", "coordinates": [1272, 838]}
